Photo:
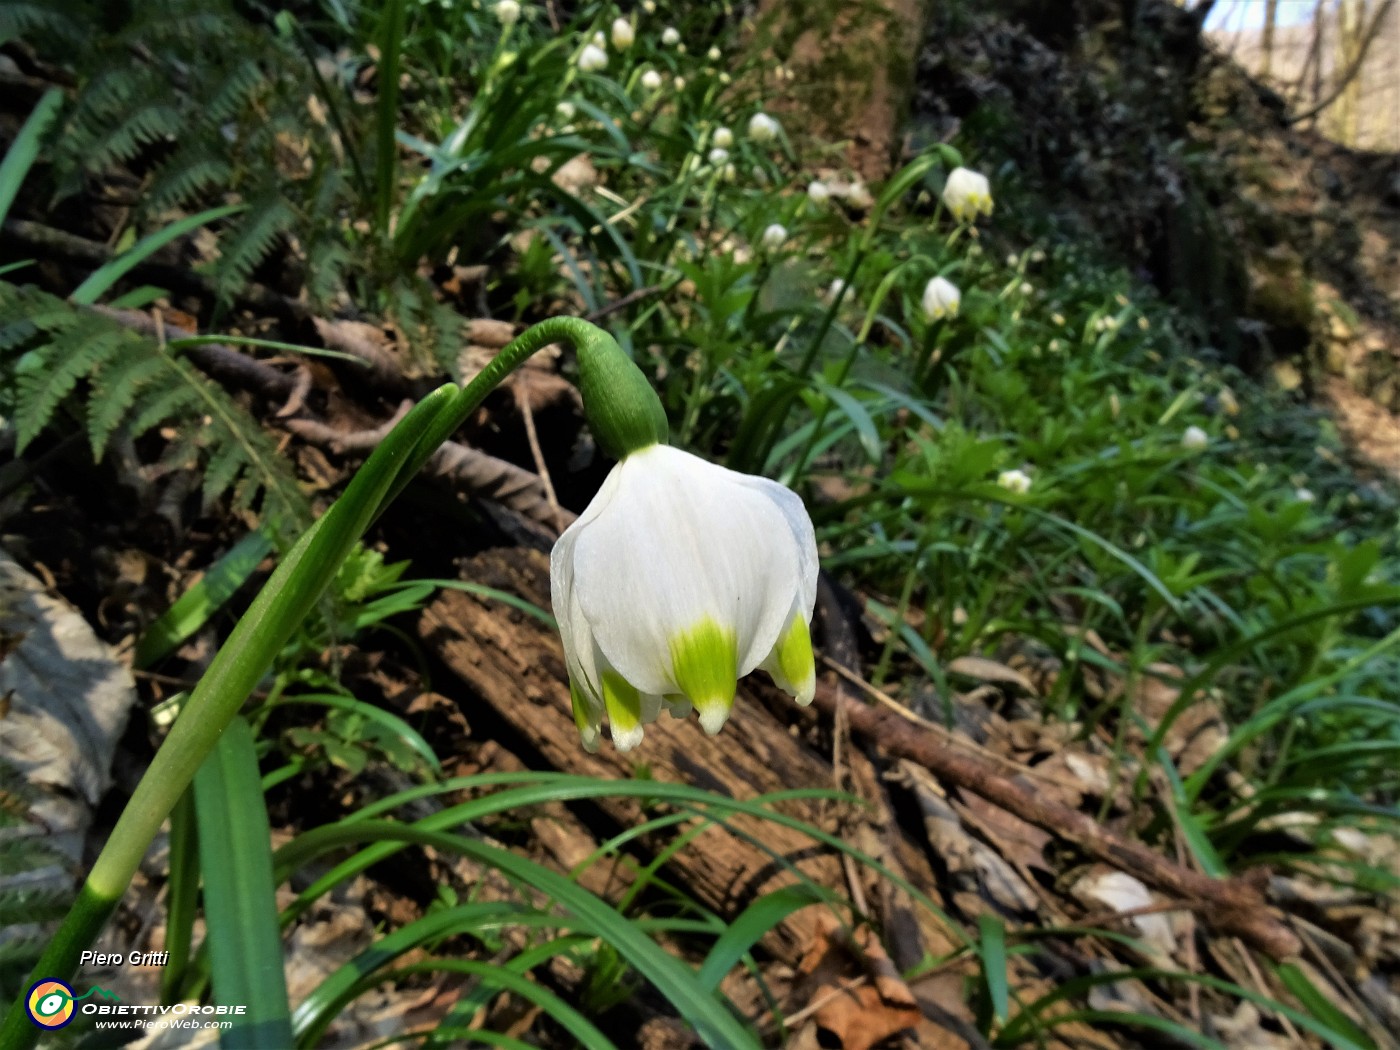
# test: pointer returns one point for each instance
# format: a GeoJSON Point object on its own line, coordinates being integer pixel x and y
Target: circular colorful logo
{"type": "Point", "coordinates": [50, 1003]}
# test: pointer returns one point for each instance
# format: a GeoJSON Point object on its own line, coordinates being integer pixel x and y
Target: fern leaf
{"type": "Point", "coordinates": [191, 171]}
{"type": "Point", "coordinates": [116, 387]}
{"type": "Point", "coordinates": [33, 904]}
{"type": "Point", "coordinates": [48, 375]}
{"type": "Point", "coordinates": [246, 244]}
{"type": "Point", "coordinates": [160, 404]}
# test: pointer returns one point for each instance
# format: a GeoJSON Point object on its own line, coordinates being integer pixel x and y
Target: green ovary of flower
{"type": "Point", "coordinates": [704, 661]}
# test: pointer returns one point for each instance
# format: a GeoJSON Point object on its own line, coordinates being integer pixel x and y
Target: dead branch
{"type": "Point", "coordinates": [1352, 71]}
{"type": "Point", "coordinates": [1231, 905]}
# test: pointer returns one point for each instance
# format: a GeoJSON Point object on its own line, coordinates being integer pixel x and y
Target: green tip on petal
{"type": "Point", "coordinates": [624, 704]}
{"type": "Point", "coordinates": [705, 664]}
{"type": "Point", "coordinates": [797, 663]}
{"type": "Point", "coordinates": [588, 729]}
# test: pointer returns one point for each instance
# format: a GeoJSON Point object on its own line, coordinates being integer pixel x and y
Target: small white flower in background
{"type": "Point", "coordinates": [670, 36]}
{"type": "Point", "coordinates": [1058, 319]}
{"type": "Point", "coordinates": [680, 578]}
{"type": "Point", "coordinates": [967, 194]}
{"type": "Point", "coordinates": [774, 236]}
{"type": "Point", "coordinates": [1054, 346]}
{"type": "Point", "coordinates": [729, 173]}
{"type": "Point", "coordinates": [725, 79]}
{"type": "Point", "coordinates": [836, 290]}
{"type": "Point", "coordinates": [941, 299]}
{"type": "Point", "coordinates": [565, 110]}
{"type": "Point", "coordinates": [1194, 438]}
{"type": "Point", "coordinates": [718, 156]}
{"type": "Point", "coordinates": [622, 34]}
{"type": "Point", "coordinates": [592, 59]}
{"type": "Point", "coordinates": [678, 83]}
{"type": "Point", "coordinates": [763, 128]}
{"type": "Point", "coordinates": [507, 12]}
{"type": "Point", "coordinates": [1228, 404]}
{"type": "Point", "coordinates": [1304, 495]}
{"type": "Point", "coordinates": [1017, 481]}
{"type": "Point", "coordinates": [1026, 288]}
{"type": "Point", "coordinates": [818, 192]}
{"type": "Point", "coordinates": [649, 6]}
{"type": "Point", "coordinates": [1013, 260]}
{"type": "Point", "coordinates": [651, 80]}
{"type": "Point", "coordinates": [723, 138]}
{"type": "Point", "coordinates": [1037, 256]}
{"type": "Point", "coordinates": [599, 40]}
{"type": "Point", "coordinates": [714, 54]}
{"type": "Point", "coordinates": [858, 197]}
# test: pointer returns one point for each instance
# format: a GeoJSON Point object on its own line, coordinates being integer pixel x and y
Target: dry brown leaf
{"type": "Point", "coordinates": [985, 670]}
{"type": "Point", "coordinates": [863, 1015]}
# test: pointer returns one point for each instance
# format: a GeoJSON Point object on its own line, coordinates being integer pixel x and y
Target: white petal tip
{"type": "Point", "coordinates": [589, 740]}
{"type": "Point", "coordinates": [626, 739]}
{"type": "Point", "coordinates": [713, 717]}
{"type": "Point", "coordinates": [806, 694]}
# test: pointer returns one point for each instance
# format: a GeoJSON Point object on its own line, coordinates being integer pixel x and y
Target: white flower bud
{"type": "Point", "coordinates": [678, 83]}
{"type": "Point", "coordinates": [718, 156]}
{"type": "Point", "coordinates": [649, 6]}
{"type": "Point", "coordinates": [622, 34]}
{"type": "Point", "coordinates": [651, 80]}
{"type": "Point", "coordinates": [763, 128]}
{"type": "Point", "coordinates": [1303, 495]}
{"type": "Point", "coordinates": [507, 12]}
{"type": "Point", "coordinates": [967, 194]}
{"type": "Point", "coordinates": [592, 59]}
{"type": "Point", "coordinates": [670, 36]}
{"type": "Point", "coordinates": [714, 54]}
{"type": "Point", "coordinates": [858, 197]}
{"type": "Point", "coordinates": [941, 299]}
{"type": "Point", "coordinates": [565, 110]}
{"type": "Point", "coordinates": [723, 138]}
{"type": "Point", "coordinates": [774, 236]}
{"type": "Point", "coordinates": [1016, 481]}
{"type": "Point", "coordinates": [729, 173]}
{"type": "Point", "coordinates": [599, 40]}
{"type": "Point", "coordinates": [1194, 439]}
{"type": "Point", "coordinates": [818, 192]}
{"type": "Point", "coordinates": [725, 79]}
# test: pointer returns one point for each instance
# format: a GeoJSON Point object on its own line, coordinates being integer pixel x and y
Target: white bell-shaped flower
{"type": "Point", "coordinates": [670, 36]}
{"type": "Point", "coordinates": [941, 299]}
{"type": "Point", "coordinates": [651, 81]}
{"type": "Point", "coordinates": [967, 194]}
{"type": "Point", "coordinates": [1017, 481]}
{"type": "Point", "coordinates": [622, 34]}
{"type": "Point", "coordinates": [507, 12]}
{"type": "Point", "coordinates": [680, 578]}
{"type": "Point", "coordinates": [763, 128]}
{"type": "Point", "coordinates": [723, 138]}
{"type": "Point", "coordinates": [592, 59]}
{"type": "Point", "coordinates": [1193, 439]}
{"type": "Point", "coordinates": [773, 236]}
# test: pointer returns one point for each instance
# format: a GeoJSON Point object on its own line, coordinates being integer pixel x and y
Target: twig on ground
{"type": "Point", "coordinates": [1232, 906]}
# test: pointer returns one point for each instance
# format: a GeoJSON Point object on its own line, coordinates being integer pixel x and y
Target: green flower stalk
{"type": "Point", "coordinates": [625, 414]}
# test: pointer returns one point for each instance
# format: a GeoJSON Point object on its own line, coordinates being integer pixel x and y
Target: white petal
{"type": "Point", "coordinates": [682, 540]}
{"type": "Point", "coordinates": [803, 534]}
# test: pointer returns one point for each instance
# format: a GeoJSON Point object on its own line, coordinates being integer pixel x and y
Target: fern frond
{"type": "Point", "coordinates": [39, 22]}
{"type": "Point", "coordinates": [250, 240]}
{"type": "Point", "coordinates": [48, 373]}
{"type": "Point", "coordinates": [133, 385]}
{"type": "Point", "coordinates": [193, 170]}
{"type": "Point", "coordinates": [115, 388]}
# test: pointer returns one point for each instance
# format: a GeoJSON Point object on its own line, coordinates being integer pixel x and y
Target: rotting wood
{"type": "Point", "coordinates": [1232, 906]}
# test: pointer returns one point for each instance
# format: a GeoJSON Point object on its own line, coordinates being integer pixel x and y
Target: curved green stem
{"type": "Point", "coordinates": [623, 405]}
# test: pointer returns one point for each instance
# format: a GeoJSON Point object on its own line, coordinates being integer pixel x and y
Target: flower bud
{"type": "Point", "coordinates": [723, 138]}
{"type": "Point", "coordinates": [818, 192]}
{"type": "Point", "coordinates": [967, 194]}
{"type": "Point", "coordinates": [714, 54]}
{"type": "Point", "coordinates": [718, 156]}
{"type": "Point", "coordinates": [592, 59]}
{"type": "Point", "coordinates": [670, 36]}
{"type": "Point", "coordinates": [941, 299]}
{"type": "Point", "coordinates": [507, 12]}
{"type": "Point", "coordinates": [774, 236]}
{"type": "Point", "coordinates": [622, 34]}
{"type": "Point", "coordinates": [565, 110]}
{"type": "Point", "coordinates": [1193, 438]}
{"type": "Point", "coordinates": [1017, 481]}
{"type": "Point", "coordinates": [858, 197]}
{"type": "Point", "coordinates": [763, 128]}
{"type": "Point", "coordinates": [651, 80]}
